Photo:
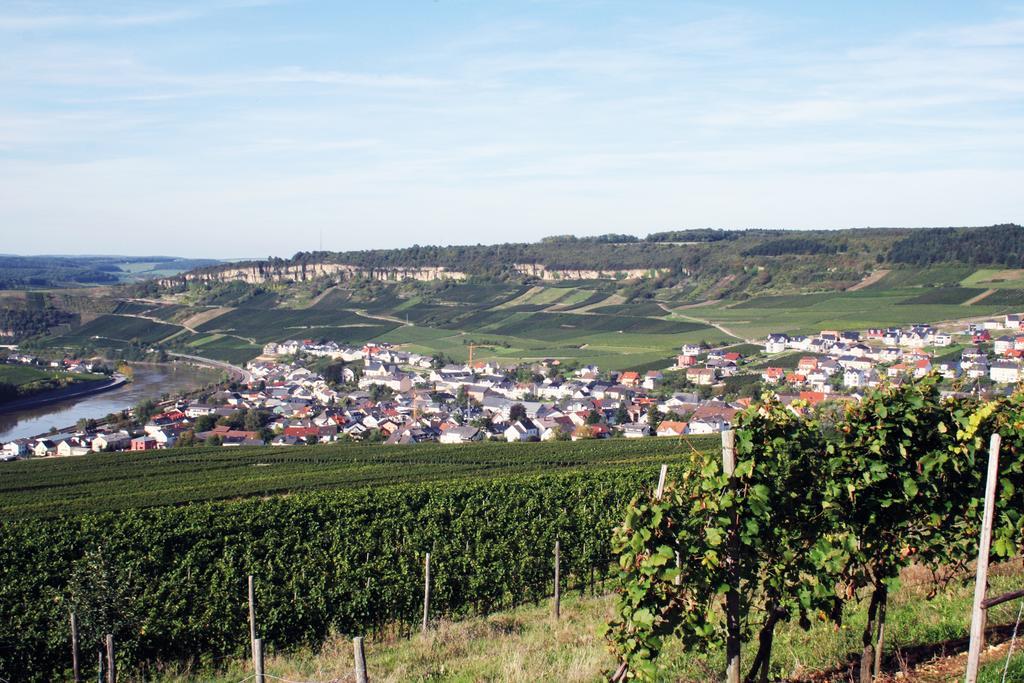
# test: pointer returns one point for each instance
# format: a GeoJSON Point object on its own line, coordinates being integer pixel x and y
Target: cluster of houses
{"type": "Point", "coordinates": [852, 361]}
{"type": "Point", "coordinates": [69, 365]}
{"type": "Point", "coordinates": [390, 395]}
{"type": "Point", "coordinates": [395, 397]}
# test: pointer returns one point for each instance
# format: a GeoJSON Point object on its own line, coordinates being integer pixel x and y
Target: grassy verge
{"type": "Point", "coordinates": [526, 644]}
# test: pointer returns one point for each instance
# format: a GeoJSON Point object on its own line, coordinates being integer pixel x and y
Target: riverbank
{"type": "Point", "coordinates": [154, 381]}
{"type": "Point", "coordinates": [68, 393]}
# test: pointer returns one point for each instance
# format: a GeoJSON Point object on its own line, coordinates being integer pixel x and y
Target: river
{"type": "Point", "coordinates": [149, 381]}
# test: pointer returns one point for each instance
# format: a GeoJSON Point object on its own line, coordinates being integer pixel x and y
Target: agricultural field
{"type": "Point", "coordinates": [995, 278]}
{"type": "Point", "coordinates": [870, 307]}
{"type": "Point", "coordinates": [45, 488]}
{"type": "Point", "coordinates": [341, 552]}
{"type": "Point", "coordinates": [116, 331]}
{"type": "Point", "coordinates": [585, 321]}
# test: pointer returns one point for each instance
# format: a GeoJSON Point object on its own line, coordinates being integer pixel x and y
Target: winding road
{"type": "Point", "coordinates": [242, 372]}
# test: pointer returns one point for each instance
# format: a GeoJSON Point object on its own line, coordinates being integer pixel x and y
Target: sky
{"type": "Point", "coordinates": [231, 128]}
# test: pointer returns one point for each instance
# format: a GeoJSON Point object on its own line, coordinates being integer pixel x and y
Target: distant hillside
{"type": "Point", "coordinates": [50, 272]}
{"type": "Point", "coordinates": [710, 263]}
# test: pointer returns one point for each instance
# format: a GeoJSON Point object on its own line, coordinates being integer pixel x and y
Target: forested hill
{"type": "Point", "coordinates": [829, 259]}
{"type": "Point", "coordinates": [1001, 245]}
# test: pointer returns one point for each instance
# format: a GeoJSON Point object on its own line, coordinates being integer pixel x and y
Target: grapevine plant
{"type": "Point", "coordinates": [769, 513]}
{"type": "Point", "coordinates": [814, 515]}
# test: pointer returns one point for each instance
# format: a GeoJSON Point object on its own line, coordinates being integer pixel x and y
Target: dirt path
{"type": "Point", "coordinates": [720, 328]}
{"type": "Point", "coordinates": [868, 281]}
{"type": "Point", "coordinates": [976, 299]}
{"type": "Point", "coordinates": [363, 312]}
{"type": "Point", "coordinates": [709, 302]}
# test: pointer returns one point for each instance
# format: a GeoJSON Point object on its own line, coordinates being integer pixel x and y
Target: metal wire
{"type": "Point", "coordinates": [1013, 640]}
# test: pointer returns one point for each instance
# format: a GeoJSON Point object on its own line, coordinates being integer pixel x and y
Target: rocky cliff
{"type": "Point", "coordinates": [259, 273]}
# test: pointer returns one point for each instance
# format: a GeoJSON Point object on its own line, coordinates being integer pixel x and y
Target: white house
{"type": "Point", "coordinates": [776, 343]}
{"type": "Point", "coordinates": [460, 435]}
{"type": "Point", "coordinates": [1004, 372]}
{"type": "Point", "coordinates": [44, 447]}
{"type": "Point", "coordinates": [66, 448]}
{"type": "Point", "coordinates": [636, 430]}
{"type": "Point", "coordinates": [15, 448]}
{"type": "Point", "coordinates": [111, 442]}
{"type": "Point", "coordinates": [523, 430]}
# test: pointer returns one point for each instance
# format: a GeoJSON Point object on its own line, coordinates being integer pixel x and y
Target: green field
{"type": "Point", "coordinates": [22, 375]}
{"type": "Point", "coordinates": [45, 488]}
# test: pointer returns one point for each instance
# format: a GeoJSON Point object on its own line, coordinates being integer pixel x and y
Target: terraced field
{"type": "Point", "coordinates": [585, 321]}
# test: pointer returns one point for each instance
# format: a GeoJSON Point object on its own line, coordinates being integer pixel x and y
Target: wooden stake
{"type": "Point", "coordinates": [257, 648]}
{"type": "Point", "coordinates": [75, 671]}
{"type": "Point", "coordinates": [732, 597]}
{"type": "Point", "coordinates": [360, 656]}
{"type": "Point", "coordinates": [661, 482]}
{"type": "Point", "coordinates": [981, 579]}
{"type": "Point", "coordinates": [880, 642]}
{"type": "Point", "coordinates": [252, 616]}
{"type": "Point", "coordinates": [111, 668]}
{"type": "Point", "coordinates": [426, 592]}
{"type": "Point", "coordinates": [558, 581]}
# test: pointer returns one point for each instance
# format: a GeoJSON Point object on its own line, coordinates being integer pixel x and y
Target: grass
{"type": "Point", "coordinates": [20, 375]}
{"type": "Point", "coordinates": [528, 644]}
{"type": "Point", "coordinates": [995, 278]}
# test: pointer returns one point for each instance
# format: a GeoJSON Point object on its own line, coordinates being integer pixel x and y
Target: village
{"type": "Point", "coordinates": [304, 392]}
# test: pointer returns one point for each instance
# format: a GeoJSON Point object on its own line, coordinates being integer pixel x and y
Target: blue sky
{"type": "Point", "coordinates": [234, 128]}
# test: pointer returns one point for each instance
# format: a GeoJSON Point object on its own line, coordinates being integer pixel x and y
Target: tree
{"type": "Point", "coordinates": [593, 417]}
{"type": "Point", "coordinates": [204, 423]}
{"type": "Point", "coordinates": [214, 440]}
{"type": "Point", "coordinates": [252, 421]}
{"type": "Point", "coordinates": [144, 410]}
{"type": "Point", "coordinates": [621, 415]}
{"type": "Point", "coordinates": [333, 373]}
{"type": "Point", "coordinates": [517, 412]}
{"type": "Point", "coordinates": [654, 416]}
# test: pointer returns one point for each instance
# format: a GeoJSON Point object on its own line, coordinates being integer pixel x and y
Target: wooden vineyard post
{"type": "Point", "coordinates": [558, 581]}
{"type": "Point", "coordinates": [360, 659]}
{"type": "Point", "coordinates": [252, 617]}
{"type": "Point", "coordinates": [257, 649]}
{"type": "Point", "coordinates": [981, 579]}
{"type": "Point", "coordinates": [75, 670]}
{"type": "Point", "coordinates": [111, 668]}
{"type": "Point", "coordinates": [732, 597]}
{"type": "Point", "coordinates": [661, 482]}
{"type": "Point", "coordinates": [426, 592]}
